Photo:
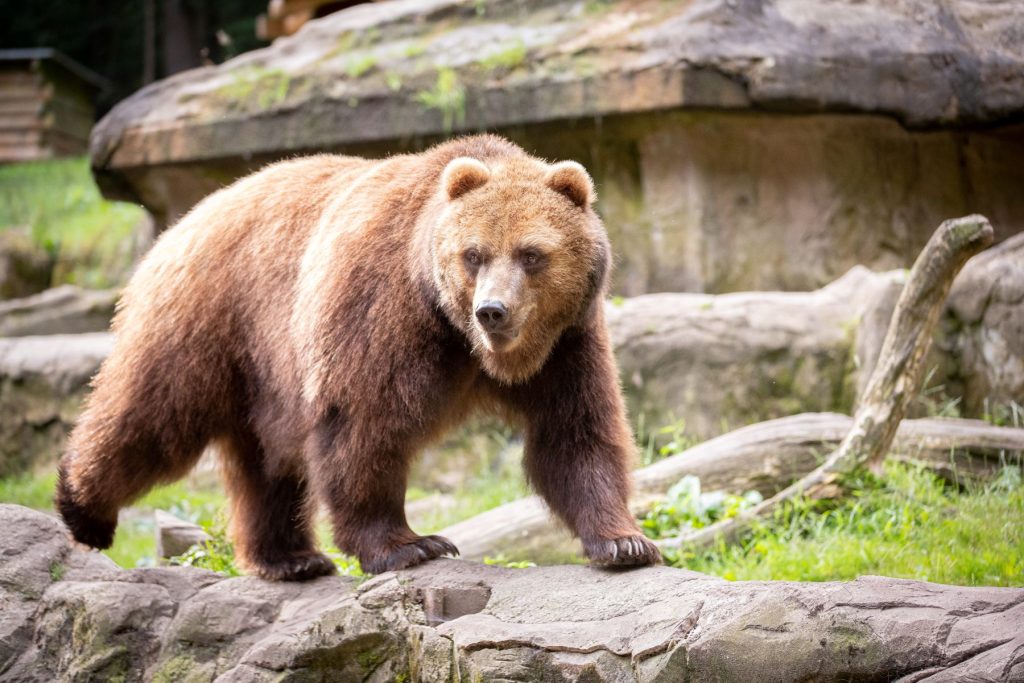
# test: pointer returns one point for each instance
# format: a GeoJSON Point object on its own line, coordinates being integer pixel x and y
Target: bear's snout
{"type": "Point", "coordinates": [492, 314]}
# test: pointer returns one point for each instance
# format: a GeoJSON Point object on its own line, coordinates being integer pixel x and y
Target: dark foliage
{"type": "Point", "coordinates": [109, 37]}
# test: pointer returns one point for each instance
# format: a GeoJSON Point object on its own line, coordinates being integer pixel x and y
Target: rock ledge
{"type": "Point", "coordinates": [75, 616]}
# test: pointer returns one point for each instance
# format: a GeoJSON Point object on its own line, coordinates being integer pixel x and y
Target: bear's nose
{"type": "Point", "coordinates": [492, 314]}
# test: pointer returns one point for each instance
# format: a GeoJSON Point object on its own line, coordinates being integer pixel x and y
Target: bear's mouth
{"type": "Point", "coordinates": [499, 340]}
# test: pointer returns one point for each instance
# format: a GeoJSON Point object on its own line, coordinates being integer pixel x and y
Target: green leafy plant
{"type": "Point", "coordinates": [672, 437]}
{"type": "Point", "coordinates": [216, 554]}
{"type": "Point", "coordinates": [346, 564]}
{"type": "Point", "coordinates": [686, 507]}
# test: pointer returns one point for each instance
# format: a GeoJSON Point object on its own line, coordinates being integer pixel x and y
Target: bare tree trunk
{"type": "Point", "coordinates": [896, 379]}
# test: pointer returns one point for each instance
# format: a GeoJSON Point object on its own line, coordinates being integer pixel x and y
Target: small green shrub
{"type": "Point", "coordinates": [216, 554]}
{"type": "Point", "coordinates": [685, 508]}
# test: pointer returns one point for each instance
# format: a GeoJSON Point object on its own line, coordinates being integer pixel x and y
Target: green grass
{"type": "Point", "coordinates": [32, 491]}
{"type": "Point", "coordinates": [909, 524]}
{"type": "Point", "coordinates": [60, 205]}
{"type": "Point", "coordinates": [135, 541]}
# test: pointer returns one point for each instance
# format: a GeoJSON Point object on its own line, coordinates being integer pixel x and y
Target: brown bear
{"type": "Point", "coordinates": [323, 319]}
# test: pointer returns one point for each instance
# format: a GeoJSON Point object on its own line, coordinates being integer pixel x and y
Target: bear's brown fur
{"type": "Point", "coordinates": [323, 319]}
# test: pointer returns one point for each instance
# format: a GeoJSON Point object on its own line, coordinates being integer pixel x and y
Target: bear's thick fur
{"type": "Point", "coordinates": [323, 319]}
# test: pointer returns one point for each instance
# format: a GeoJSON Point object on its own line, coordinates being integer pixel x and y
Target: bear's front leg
{"type": "Point", "coordinates": [363, 482]}
{"type": "Point", "coordinates": [579, 448]}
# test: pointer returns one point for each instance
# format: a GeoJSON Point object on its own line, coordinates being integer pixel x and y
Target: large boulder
{"type": "Point", "coordinates": [71, 615]}
{"type": "Point", "coordinates": [984, 333]}
{"type": "Point", "coordinates": [42, 383]}
{"type": "Point", "coordinates": [723, 361]}
{"type": "Point", "coordinates": [737, 145]}
{"type": "Point", "coordinates": [720, 362]}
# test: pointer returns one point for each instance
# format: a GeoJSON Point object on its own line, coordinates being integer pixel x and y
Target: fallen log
{"type": "Point", "coordinates": [895, 381]}
{"type": "Point", "coordinates": [73, 615]}
{"type": "Point", "coordinates": [766, 456]}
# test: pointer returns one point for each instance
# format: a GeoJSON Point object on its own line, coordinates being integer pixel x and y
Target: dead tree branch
{"type": "Point", "coordinates": [895, 380]}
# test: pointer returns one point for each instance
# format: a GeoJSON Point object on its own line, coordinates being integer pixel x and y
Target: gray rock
{"type": "Point", "coordinates": [719, 362]}
{"type": "Point", "coordinates": [456, 620]}
{"type": "Point", "coordinates": [62, 310]}
{"type": "Point", "coordinates": [925, 64]}
{"type": "Point", "coordinates": [42, 383]}
{"type": "Point", "coordinates": [174, 536]}
{"type": "Point", "coordinates": [984, 325]}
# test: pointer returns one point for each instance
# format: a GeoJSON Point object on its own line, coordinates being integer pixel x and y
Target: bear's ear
{"type": "Point", "coordinates": [572, 180]}
{"type": "Point", "coordinates": [462, 175]}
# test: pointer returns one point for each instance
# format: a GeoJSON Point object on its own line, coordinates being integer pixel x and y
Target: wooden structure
{"type": "Point", "coordinates": [46, 105]}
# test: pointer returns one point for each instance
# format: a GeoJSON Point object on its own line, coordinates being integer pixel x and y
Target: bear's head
{"type": "Point", "coordinates": [519, 257]}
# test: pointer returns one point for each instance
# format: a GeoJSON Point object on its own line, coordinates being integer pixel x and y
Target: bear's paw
{"type": "Point", "coordinates": [410, 554]}
{"type": "Point", "coordinates": [298, 567]}
{"type": "Point", "coordinates": [628, 551]}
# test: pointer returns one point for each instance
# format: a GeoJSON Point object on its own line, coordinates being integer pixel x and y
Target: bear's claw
{"type": "Point", "coordinates": [627, 551]}
{"type": "Point", "coordinates": [298, 567]}
{"type": "Point", "coordinates": [411, 554]}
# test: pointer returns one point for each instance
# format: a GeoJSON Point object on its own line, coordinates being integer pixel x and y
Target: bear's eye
{"type": "Point", "coordinates": [531, 259]}
{"type": "Point", "coordinates": [472, 257]}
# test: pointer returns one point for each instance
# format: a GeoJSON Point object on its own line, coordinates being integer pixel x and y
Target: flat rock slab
{"type": "Point", "coordinates": [72, 615]}
{"type": "Point", "coordinates": [61, 310]}
{"type": "Point", "coordinates": [406, 68]}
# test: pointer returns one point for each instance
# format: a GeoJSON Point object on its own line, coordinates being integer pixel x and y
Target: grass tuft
{"type": "Point", "coordinates": [93, 240]}
{"type": "Point", "coordinates": [908, 524]}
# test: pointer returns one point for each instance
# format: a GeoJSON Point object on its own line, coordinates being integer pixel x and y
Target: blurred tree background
{"type": "Point", "coordinates": [133, 43]}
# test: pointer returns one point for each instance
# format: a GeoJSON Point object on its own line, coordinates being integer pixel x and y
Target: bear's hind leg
{"type": "Point", "coordinates": [118, 451]}
{"type": "Point", "coordinates": [271, 520]}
